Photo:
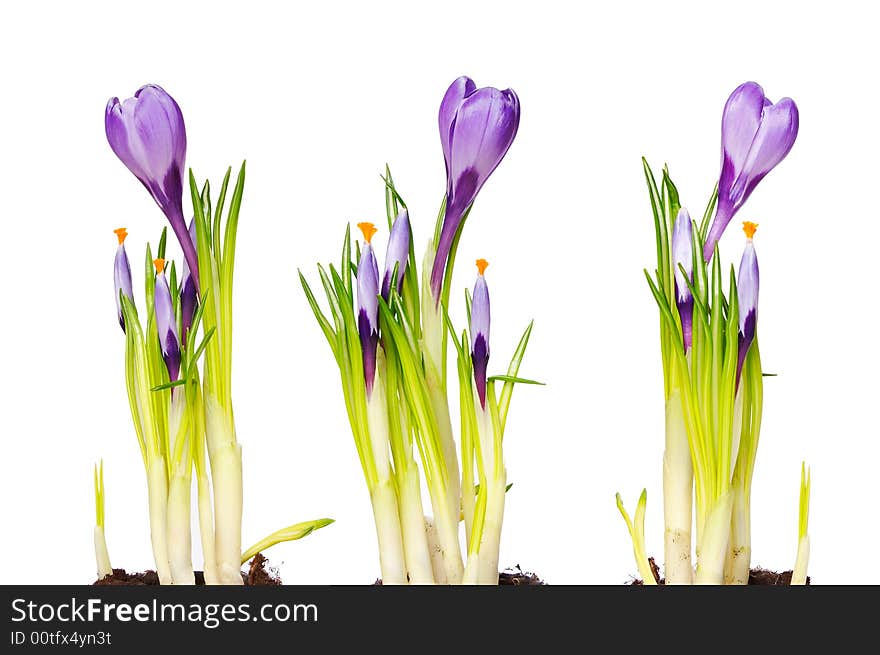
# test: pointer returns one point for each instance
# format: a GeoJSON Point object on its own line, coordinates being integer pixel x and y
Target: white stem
{"type": "Point", "coordinates": [179, 491]}
{"type": "Point", "coordinates": [179, 533]}
{"type": "Point", "coordinates": [491, 538]}
{"type": "Point", "coordinates": [388, 533]}
{"type": "Point", "coordinates": [468, 505]}
{"type": "Point", "coordinates": [446, 528]}
{"type": "Point", "coordinates": [799, 575]}
{"type": "Point", "coordinates": [415, 538]}
{"type": "Point", "coordinates": [226, 473]}
{"type": "Point", "coordinates": [157, 490]}
{"type": "Point", "coordinates": [678, 486]}
{"type": "Point", "coordinates": [712, 551]}
{"type": "Point", "coordinates": [386, 508]}
{"type": "Point", "coordinates": [436, 552]}
{"type": "Point", "coordinates": [225, 455]}
{"type": "Point", "coordinates": [471, 574]}
{"type": "Point", "coordinates": [739, 552]}
{"type": "Point", "coordinates": [440, 405]}
{"type": "Point", "coordinates": [102, 557]}
{"type": "Point", "coordinates": [206, 529]}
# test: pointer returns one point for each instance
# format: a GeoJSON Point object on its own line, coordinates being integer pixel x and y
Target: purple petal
{"type": "Point", "coordinates": [397, 253]}
{"type": "Point", "coordinates": [480, 311]}
{"type": "Point", "coordinates": [171, 355]}
{"type": "Point", "coordinates": [368, 311]}
{"type": "Point", "coordinates": [747, 284]}
{"type": "Point", "coordinates": [369, 339]}
{"type": "Point", "coordinates": [188, 304]}
{"type": "Point", "coordinates": [683, 253]}
{"type": "Point", "coordinates": [368, 285]}
{"type": "Point", "coordinates": [739, 124]}
{"type": "Point", "coordinates": [481, 134]}
{"type": "Point", "coordinates": [455, 94]}
{"type": "Point", "coordinates": [773, 141]}
{"type": "Point", "coordinates": [480, 357]}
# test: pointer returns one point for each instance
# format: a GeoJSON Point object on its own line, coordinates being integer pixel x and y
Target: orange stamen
{"type": "Point", "coordinates": [159, 264]}
{"type": "Point", "coordinates": [121, 233]}
{"type": "Point", "coordinates": [368, 230]}
{"type": "Point", "coordinates": [749, 228]}
{"type": "Point", "coordinates": [481, 265]}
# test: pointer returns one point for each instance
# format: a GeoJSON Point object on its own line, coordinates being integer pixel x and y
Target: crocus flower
{"type": "Point", "coordinates": [683, 254]}
{"type": "Point", "coordinates": [477, 127]}
{"type": "Point", "coordinates": [397, 253]}
{"type": "Point", "coordinates": [188, 292]}
{"type": "Point", "coordinates": [121, 275]}
{"type": "Point", "coordinates": [747, 292]}
{"type": "Point", "coordinates": [148, 134]}
{"type": "Point", "coordinates": [755, 136]}
{"type": "Point", "coordinates": [480, 317]}
{"type": "Point", "coordinates": [166, 322]}
{"type": "Point", "coordinates": [368, 305]}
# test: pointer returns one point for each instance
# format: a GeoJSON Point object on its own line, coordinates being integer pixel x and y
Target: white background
{"type": "Point", "coordinates": [317, 100]}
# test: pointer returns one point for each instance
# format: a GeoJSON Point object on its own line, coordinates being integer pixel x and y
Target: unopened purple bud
{"type": "Point", "coordinates": [368, 305]}
{"type": "Point", "coordinates": [121, 275]}
{"type": "Point", "coordinates": [479, 330]}
{"type": "Point", "coordinates": [397, 253]}
{"type": "Point", "coordinates": [747, 284]}
{"type": "Point", "coordinates": [166, 322]}
{"type": "Point", "coordinates": [683, 254]}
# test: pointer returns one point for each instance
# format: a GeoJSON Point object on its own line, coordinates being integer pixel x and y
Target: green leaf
{"type": "Point", "coordinates": [168, 385]}
{"type": "Point", "coordinates": [162, 241]}
{"type": "Point", "coordinates": [290, 533]}
{"type": "Point", "coordinates": [514, 380]}
{"type": "Point", "coordinates": [326, 328]}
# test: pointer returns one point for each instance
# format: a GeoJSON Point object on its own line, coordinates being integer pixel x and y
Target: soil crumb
{"type": "Point", "coordinates": [757, 576]}
{"type": "Point", "coordinates": [510, 577]}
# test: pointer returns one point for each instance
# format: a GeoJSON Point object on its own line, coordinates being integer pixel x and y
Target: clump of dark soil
{"type": "Point", "coordinates": [511, 577]}
{"type": "Point", "coordinates": [757, 576]}
{"type": "Point", "coordinates": [259, 574]}
{"type": "Point", "coordinates": [518, 578]}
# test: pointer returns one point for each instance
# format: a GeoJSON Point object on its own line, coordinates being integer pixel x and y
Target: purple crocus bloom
{"type": "Point", "coordinates": [121, 275]}
{"type": "Point", "coordinates": [480, 318]}
{"type": "Point", "coordinates": [747, 284]}
{"type": "Point", "coordinates": [148, 134]}
{"type": "Point", "coordinates": [368, 305]}
{"type": "Point", "coordinates": [683, 254]}
{"type": "Point", "coordinates": [166, 322]}
{"type": "Point", "coordinates": [188, 291]}
{"type": "Point", "coordinates": [755, 136]}
{"type": "Point", "coordinates": [397, 253]}
{"type": "Point", "coordinates": [477, 127]}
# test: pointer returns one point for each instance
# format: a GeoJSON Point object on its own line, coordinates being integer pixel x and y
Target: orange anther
{"type": "Point", "coordinates": [159, 264]}
{"type": "Point", "coordinates": [481, 265]}
{"type": "Point", "coordinates": [368, 230]}
{"type": "Point", "coordinates": [120, 233]}
{"type": "Point", "coordinates": [749, 228]}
